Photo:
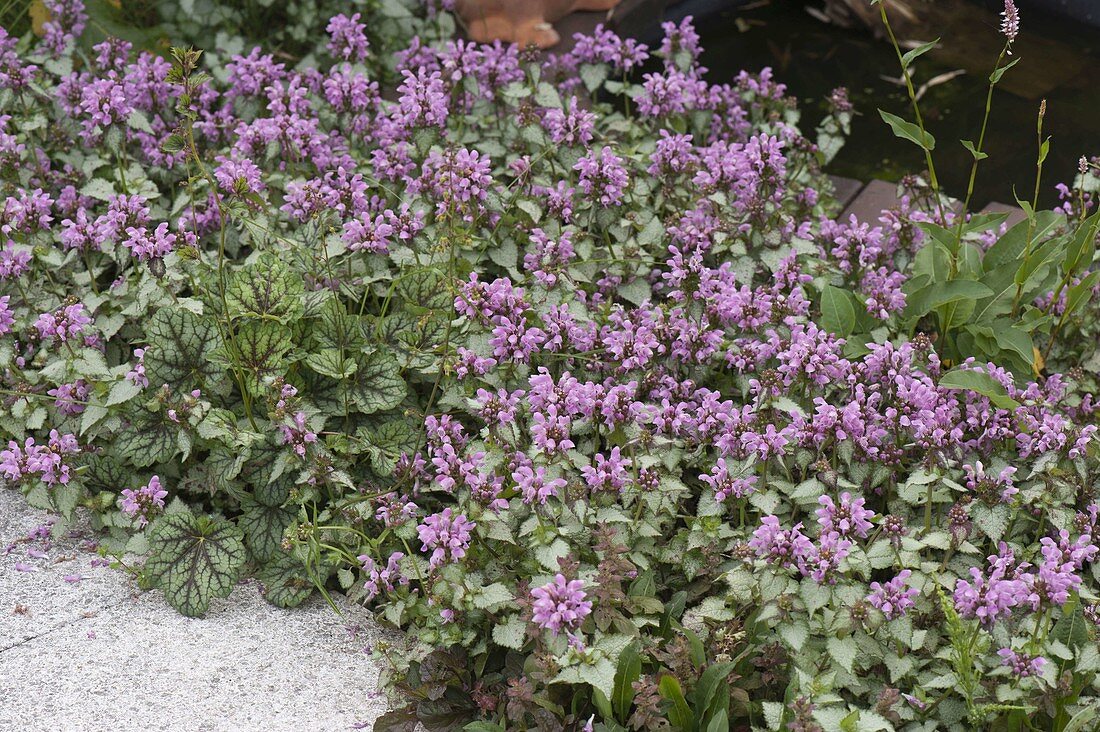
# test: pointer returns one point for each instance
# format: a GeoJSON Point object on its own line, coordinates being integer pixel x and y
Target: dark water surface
{"type": "Point", "coordinates": [1059, 61]}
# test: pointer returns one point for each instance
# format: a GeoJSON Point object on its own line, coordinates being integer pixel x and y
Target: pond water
{"type": "Point", "coordinates": [1059, 62]}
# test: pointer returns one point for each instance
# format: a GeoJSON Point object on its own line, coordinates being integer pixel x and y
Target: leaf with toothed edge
{"type": "Point", "coordinates": [266, 289]}
{"type": "Point", "coordinates": [195, 559]}
{"type": "Point", "coordinates": [180, 345]}
{"type": "Point", "coordinates": [263, 527]}
{"type": "Point", "coordinates": [285, 583]}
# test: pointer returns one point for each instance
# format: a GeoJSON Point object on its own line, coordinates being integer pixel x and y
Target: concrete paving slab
{"type": "Point", "coordinates": [876, 197]}
{"type": "Point", "coordinates": [845, 189]}
{"type": "Point", "coordinates": [45, 584]}
{"type": "Point", "coordinates": [100, 655]}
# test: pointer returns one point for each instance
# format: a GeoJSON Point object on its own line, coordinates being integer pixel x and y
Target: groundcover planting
{"type": "Point", "coordinates": [562, 365]}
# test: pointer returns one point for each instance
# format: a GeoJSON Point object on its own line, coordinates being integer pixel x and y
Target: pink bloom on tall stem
{"type": "Point", "coordinates": [1010, 22]}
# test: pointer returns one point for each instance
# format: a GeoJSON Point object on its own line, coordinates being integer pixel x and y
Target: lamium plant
{"type": "Point", "coordinates": [563, 365]}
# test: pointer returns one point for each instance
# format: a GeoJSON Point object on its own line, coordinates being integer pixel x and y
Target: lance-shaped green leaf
{"type": "Point", "coordinates": [1082, 247]}
{"type": "Point", "coordinates": [378, 385]}
{"type": "Point", "coordinates": [180, 345]}
{"type": "Point", "coordinates": [981, 383]}
{"type": "Point", "coordinates": [266, 289]}
{"type": "Point", "coordinates": [942, 293]}
{"type": "Point", "coordinates": [679, 713]}
{"type": "Point", "coordinates": [263, 527]}
{"type": "Point", "coordinates": [260, 348]}
{"type": "Point", "coordinates": [195, 559]}
{"type": "Point", "coordinates": [838, 315]}
{"type": "Point", "coordinates": [1079, 295]}
{"type": "Point", "coordinates": [1011, 338]}
{"type": "Point", "coordinates": [909, 131]}
{"type": "Point", "coordinates": [285, 581]}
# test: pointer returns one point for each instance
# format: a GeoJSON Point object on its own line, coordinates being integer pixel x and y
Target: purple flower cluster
{"type": "Point", "coordinates": [447, 535]}
{"type": "Point", "coordinates": [49, 463]}
{"type": "Point", "coordinates": [602, 176]}
{"type": "Point", "coordinates": [849, 518]}
{"type": "Point", "coordinates": [145, 502]}
{"type": "Point", "coordinates": [560, 605]}
{"type": "Point", "coordinates": [64, 325]}
{"type": "Point", "coordinates": [382, 579]}
{"type": "Point", "coordinates": [893, 598]}
{"type": "Point", "coordinates": [1021, 664]}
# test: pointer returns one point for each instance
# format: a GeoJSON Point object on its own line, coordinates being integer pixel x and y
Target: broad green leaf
{"type": "Point", "coordinates": [991, 521]}
{"type": "Point", "coordinates": [547, 96]}
{"type": "Point", "coordinates": [105, 473]}
{"type": "Point", "coordinates": [263, 527]}
{"type": "Point", "coordinates": [415, 339]}
{"type": "Point", "coordinates": [224, 464]}
{"type": "Point", "coordinates": [378, 385]}
{"type": "Point", "coordinates": [424, 287]}
{"type": "Point", "coordinates": [1010, 247]}
{"type": "Point", "coordinates": [981, 383]}
{"type": "Point", "coordinates": [139, 121]}
{"type": "Point", "coordinates": [492, 596]}
{"type": "Point", "coordinates": [195, 559]}
{"type": "Point", "coordinates": [285, 582]}
{"type": "Point", "coordinates": [795, 633]}
{"type": "Point", "coordinates": [180, 345]}
{"type": "Point", "coordinates": [148, 440]}
{"type": "Point", "coordinates": [838, 316]}
{"type": "Point", "coordinates": [65, 497]}
{"type": "Point", "coordinates": [122, 391]}
{"type": "Point", "coordinates": [844, 651]}
{"type": "Point", "coordinates": [1013, 339]}
{"type": "Point", "coordinates": [330, 362]}
{"type": "Point", "coordinates": [1072, 628]}
{"type": "Point", "coordinates": [599, 675]}
{"type": "Point", "coordinates": [387, 441]}
{"type": "Point", "coordinates": [334, 328]}
{"type": "Point", "coordinates": [511, 633]}
{"type": "Point", "coordinates": [909, 131]}
{"type": "Point", "coordinates": [267, 290]}
{"type": "Point", "coordinates": [260, 348]}
{"type": "Point", "coordinates": [593, 75]}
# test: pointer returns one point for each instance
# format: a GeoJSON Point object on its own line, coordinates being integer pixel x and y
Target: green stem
{"type": "Point", "coordinates": [1034, 202]}
{"type": "Point", "coordinates": [933, 180]}
{"type": "Point", "coordinates": [981, 143]}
